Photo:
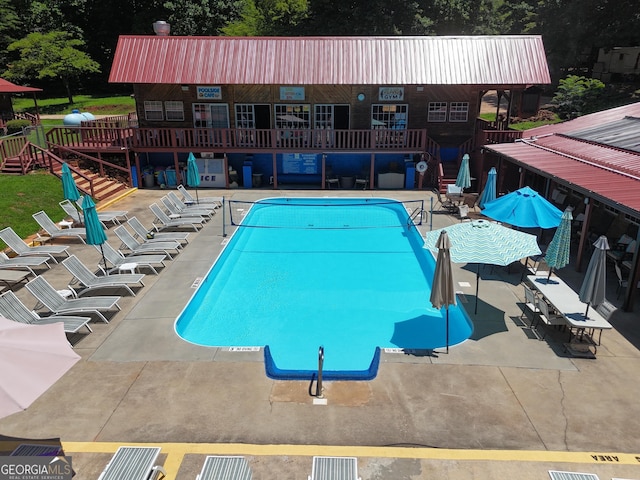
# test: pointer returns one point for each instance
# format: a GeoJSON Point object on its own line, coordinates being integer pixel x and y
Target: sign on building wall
{"type": "Point", "coordinates": [291, 93]}
{"type": "Point", "coordinates": [300, 163]}
{"type": "Point", "coordinates": [209, 93]}
{"type": "Point", "coordinates": [391, 93]}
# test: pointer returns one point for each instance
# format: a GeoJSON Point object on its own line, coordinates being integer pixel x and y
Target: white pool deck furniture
{"type": "Point", "coordinates": [334, 468]}
{"type": "Point", "coordinates": [225, 467]}
{"type": "Point", "coordinates": [133, 463]}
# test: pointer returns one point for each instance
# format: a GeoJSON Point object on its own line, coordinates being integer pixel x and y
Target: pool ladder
{"type": "Point", "coordinates": [319, 387]}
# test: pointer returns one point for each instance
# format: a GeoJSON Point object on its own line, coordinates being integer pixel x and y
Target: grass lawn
{"type": "Point", "coordinates": [24, 195]}
{"type": "Point", "coordinates": [107, 105]}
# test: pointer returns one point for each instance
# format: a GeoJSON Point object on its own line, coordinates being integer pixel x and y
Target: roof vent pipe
{"type": "Point", "coordinates": [161, 28]}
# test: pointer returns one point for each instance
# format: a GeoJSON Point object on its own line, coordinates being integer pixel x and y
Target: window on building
{"type": "Point", "coordinates": [323, 116]}
{"type": "Point", "coordinates": [459, 112]}
{"type": "Point", "coordinates": [174, 111]}
{"type": "Point", "coordinates": [437, 112]}
{"type": "Point", "coordinates": [211, 115]}
{"type": "Point", "coordinates": [292, 116]}
{"type": "Point", "coordinates": [153, 110]}
{"type": "Point", "coordinates": [389, 116]}
{"type": "Point", "coordinates": [245, 116]}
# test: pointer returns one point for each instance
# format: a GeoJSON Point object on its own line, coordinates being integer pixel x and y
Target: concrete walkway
{"type": "Point", "coordinates": [503, 404]}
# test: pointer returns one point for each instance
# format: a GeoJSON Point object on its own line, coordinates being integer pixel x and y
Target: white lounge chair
{"type": "Point", "coordinates": [558, 475]}
{"type": "Point", "coordinates": [334, 468]}
{"type": "Point", "coordinates": [72, 212]}
{"type": "Point", "coordinates": [115, 217]}
{"type": "Point", "coordinates": [206, 201]}
{"type": "Point", "coordinates": [92, 282]}
{"type": "Point", "coordinates": [175, 211]}
{"type": "Point", "coordinates": [166, 222]}
{"type": "Point", "coordinates": [56, 303]}
{"type": "Point", "coordinates": [23, 263]}
{"type": "Point", "coordinates": [142, 233]}
{"type": "Point", "coordinates": [118, 259]}
{"type": "Point", "coordinates": [221, 467]}
{"type": "Point", "coordinates": [20, 248]}
{"type": "Point", "coordinates": [133, 463]}
{"type": "Point", "coordinates": [210, 210]}
{"type": "Point", "coordinates": [12, 308]}
{"type": "Point", "coordinates": [134, 246]}
{"type": "Point", "coordinates": [54, 231]}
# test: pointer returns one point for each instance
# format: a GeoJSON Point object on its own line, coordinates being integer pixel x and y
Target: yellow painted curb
{"type": "Point", "coordinates": [118, 198]}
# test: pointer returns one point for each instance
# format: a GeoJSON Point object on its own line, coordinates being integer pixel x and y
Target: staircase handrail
{"type": "Point", "coordinates": [54, 159]}
{"type": "Point", "coordinates": [101, 163]}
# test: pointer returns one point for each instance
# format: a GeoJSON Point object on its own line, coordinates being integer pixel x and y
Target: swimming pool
{"type": "Point", "coordinates": [348, 274]}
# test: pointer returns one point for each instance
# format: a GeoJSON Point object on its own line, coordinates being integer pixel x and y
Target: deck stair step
{"type": "Point", "coordinates": [103, 187]}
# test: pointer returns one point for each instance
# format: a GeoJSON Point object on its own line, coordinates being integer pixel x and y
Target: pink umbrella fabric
{"type": "Point", "coordinates": [32, 359]}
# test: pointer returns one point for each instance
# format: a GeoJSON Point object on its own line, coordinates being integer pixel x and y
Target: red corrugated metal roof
{"type": "Point", "coordinates": [8, 87]}
{"type": "Point", "coordinates": [605, 178]}
{"type": "Point", "coordinates": [474, 60]}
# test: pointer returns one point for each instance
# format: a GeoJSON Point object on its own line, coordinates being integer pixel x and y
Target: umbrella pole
{"type": "Point", "coordinates": [104, 260]}
{"type": "Point", "coordinates": [550, 272]}
{"type": "Point", "coordinates": [447, 329]}
{"type": "Point", "coordinates": [477, 286]}
{"type": "Point", "coordinates": [586, 314]}
{"type": "Point", "coordinates": [197, 199]}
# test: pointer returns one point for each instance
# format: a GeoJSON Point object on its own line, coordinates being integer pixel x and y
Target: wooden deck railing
{"type": "Point", "coordinates": [108, 136]}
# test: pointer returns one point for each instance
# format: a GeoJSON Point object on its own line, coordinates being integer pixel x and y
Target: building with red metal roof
{"type": "Point", "coordinates": [591, 163]}
{"type": "Point", "coordinates": [7, 89]}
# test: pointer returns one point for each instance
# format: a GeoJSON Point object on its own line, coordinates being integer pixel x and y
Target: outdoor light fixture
{"type": "Point", "coordinates": [360, 97]}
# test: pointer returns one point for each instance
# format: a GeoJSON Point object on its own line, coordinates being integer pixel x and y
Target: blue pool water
{"type": "Point", "coordinates": [348, 274]}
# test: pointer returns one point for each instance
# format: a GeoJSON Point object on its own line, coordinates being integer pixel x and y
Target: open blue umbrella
{"type": "Point", "coordinates": [443, 290]}
{"type": "Point", "coordinates": [193, 175]}
{"type": "Point", "coordinates": [93, 226]}
{"type": "Point", "coordinates": [489, 192]}
{"type": "Point", "coordinates": [524, 208]}
{"type": "Point", "coordinates": [69, 187]}
{"type": "Point", "coordinates": [463, 180]}
{"type": "Point", "coordinates": [557, 255]}
{"type": "Point", "coordinates": [594, 285]}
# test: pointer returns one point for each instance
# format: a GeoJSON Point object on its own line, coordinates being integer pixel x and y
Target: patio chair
{"type": "Point", "coordinates": [548, 317]}
{"type": "Point", "coordinates": [558, 475]}
{"type": "Point", "coordinates": [130, 243]}
{"type": "Point", "coordinates": [12, 308]}
{"type": "Point", "coordinates": [142, 232]}
{"type": "Point", "coordinates": [362, 180]}
{"type": "Point", "coordinates": [206, 201]}
{"type": "Point", "coordinates": [331, 179]}
{"type": "Point", "coordinates": [530, 305]}
{"type": "Point", "coordinates": [57, 304]}
{"type": "Point", "coordinates": [334, 468]}
{"type": "Point", "coordinates": [22, 263]}
{"type": "Point", "coordinates": [20, 248]}
{"type": "Point", "coordinates": [115, 217]}
{"type": "Point", "coordinates": [133, 463]}
{"type": "Point", "coordinates": [190, 208]}
{"type": "Point", "coordinates": [622, 284]}
{"type": "Point", "coordinates": [166, 222]}
{"type": "Point", "coordinates": [91, 282]}
{"type": "Point", "coordinates": [72, 211]}
{"type": "Point", "coordinates": [225, 468]}
{"type": "Point", "coordinates": [117, 259]}
{"type": "Point", "coordinates": [54, 231]}
{"type": "Point", "coordinates": [445, 202]}
{"type": "Point", "coordinates": [176, 212]}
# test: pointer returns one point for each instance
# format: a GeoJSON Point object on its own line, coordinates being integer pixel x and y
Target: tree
{"type": "Point", "coordinates": [577, 96]}
{"type": "Point", "coordinates": [202, 17]}
{"type": "Point", "coordinates": [50, 55]}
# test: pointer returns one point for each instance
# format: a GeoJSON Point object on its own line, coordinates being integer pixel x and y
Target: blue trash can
{"type": "Point", "coordinates": [247, 174]}
{"type": "Point", "coordinates": [409, 176]}
{"type": "Point", "coordinates": [134, 176]}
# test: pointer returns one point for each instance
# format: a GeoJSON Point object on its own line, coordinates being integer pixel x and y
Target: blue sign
{"type": "Point", "coordinates": [300, 163]}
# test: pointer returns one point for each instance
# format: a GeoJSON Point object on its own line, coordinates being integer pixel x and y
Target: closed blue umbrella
{"type": "Point", "coordinates": [193, 175]}
{"type": "Point", "coordinates": [524, 208]}
{"type": "Point", "coordinates": [93, 226]}
{"type": "Point", "coordinates": [443, 291]}
{"type": "Point", "coordinates": [463, 180]}
{"type": "Point", "coordinates": [489, 192]}
{"type": "Point", "coordinates": [593, 289]}
{"type": "Point", "coordinates": [69, 187]}
{"type": "Point", "coordinates": [557, 255]}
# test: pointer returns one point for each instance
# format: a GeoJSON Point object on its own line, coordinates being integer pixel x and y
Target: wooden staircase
{"type": "Point", "coordinates": [103, 187]}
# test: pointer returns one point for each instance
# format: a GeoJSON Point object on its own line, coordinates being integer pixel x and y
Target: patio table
{"type": "Point", "coordinates": [566, 301]}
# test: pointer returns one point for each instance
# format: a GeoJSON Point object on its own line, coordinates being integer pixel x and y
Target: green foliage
{"type": "Point", "coordinates": [15, 126]}
{"type": "Point", "coordinates": [98, 105]}
{"type": "Point", "coordinates": [50, 55]}
{"type": "Point", "coordinates": [23, 195]}
{"type": "Point", "coordinates": [577, 96]}
{"type": "Point", "coordinates": [202, 17]}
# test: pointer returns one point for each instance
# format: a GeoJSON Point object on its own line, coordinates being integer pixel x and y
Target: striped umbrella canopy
{"type": "Point", "coordinates": [484, 242]}
{"type": "Point", "coordinates": [489, 192]}
{"type": "Point", "coordinates": [594, 284]}
{"type": "Point", "coordinates": [463, 180]}
{"type": "Point", "coordinates": [443, 290]}
{"type": "Point", "coordinates": [93, 226]}
{"type": "Point", "coordinates": [524, 208]}
{"type": "Point", "coordinates": [557, 255]}
{"type": "Point", "coordinates": [193, 175]}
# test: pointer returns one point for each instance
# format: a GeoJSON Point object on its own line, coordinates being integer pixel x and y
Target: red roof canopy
{"type": "Point", "coordinates": [8, 87]}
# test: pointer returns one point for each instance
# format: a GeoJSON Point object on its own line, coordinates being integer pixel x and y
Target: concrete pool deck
{"type": "Point", "coordinates": [501, 405]}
